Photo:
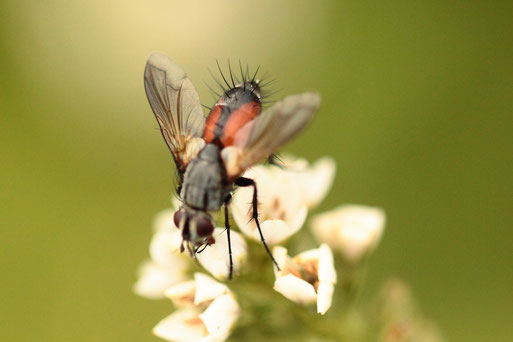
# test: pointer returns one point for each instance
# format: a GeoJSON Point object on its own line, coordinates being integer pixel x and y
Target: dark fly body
{"type": "Point", "coordinates": [211, 155]}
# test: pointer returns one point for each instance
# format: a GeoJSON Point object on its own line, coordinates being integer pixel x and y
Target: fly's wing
{"type": "Point", "coordinates": [176, 106]}
{"type": "Point", "coordinates": [262, 136]}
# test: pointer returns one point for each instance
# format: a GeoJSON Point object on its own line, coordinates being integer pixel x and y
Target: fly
{"type": "Point", "coordinates": [212, 154]}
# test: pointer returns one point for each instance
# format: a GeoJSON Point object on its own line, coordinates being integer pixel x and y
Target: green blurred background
{"type": "Point", "coordinates": [417, 110]}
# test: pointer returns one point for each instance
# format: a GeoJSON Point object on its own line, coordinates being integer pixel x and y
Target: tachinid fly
{"type": "Point", "coordinates": [211, 155]}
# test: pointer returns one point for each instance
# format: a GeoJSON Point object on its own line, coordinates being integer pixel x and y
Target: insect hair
{"type": "Point", "coordinates": [222, 75]}
{"type": "Point", "coordinates": [228, 81]}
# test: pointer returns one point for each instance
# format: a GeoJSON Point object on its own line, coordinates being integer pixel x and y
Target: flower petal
{"type": "Point", "coordinates": [165, 247]}
{"type": "Point", "coordinates": [274, 231]}
{"type": "Point", "coordinates": [280, 254]}
{"type": "Point", "coordinates": [181, 326]}
{"type": "Point", "coordinates": [327, 270]}
{"type": "Point", "coordinates": [324, 296]}
{"type": "Point", "coordinates": [314, 181]}
{"type": "Point", "coordinates": [321, 180]}
{"type": "Point", "coordinates": [207, 288]}
{"type": "Point", "coordinates": [220, 316]}
{"type": "Point", "coordinates": [216, 259]}
{"type": "Point", "coordinates": [280, 208]}
{"type": "Point", "coordinates": [295, 289]}
{"type": "Point", "coordinates": [163, 220]}
{"type": "Point", "coordinates": [277, 231]}
{"type": "Point", "coordinates": [307, 256]}
{"type": "Point", "coordinates": [155, 279]}
{"type": "Point", "coordinates": [182, 294]}
{"type": "Point", "coordinates": [308, 277]}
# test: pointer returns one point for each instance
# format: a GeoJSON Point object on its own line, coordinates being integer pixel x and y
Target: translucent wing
{"type": "Point", "coordinates": [176, 106]}
{"type": "Point", "coordinates": [262, 136]}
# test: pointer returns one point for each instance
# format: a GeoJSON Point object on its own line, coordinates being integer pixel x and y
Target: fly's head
{"type": "Point", "coordinates": [196, 226]}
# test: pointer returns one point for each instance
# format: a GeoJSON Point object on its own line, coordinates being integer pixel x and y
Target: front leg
{"type": "Point", "coordinates": [227, 225]}
{"type": "Point", "coordinates": [244, 182]}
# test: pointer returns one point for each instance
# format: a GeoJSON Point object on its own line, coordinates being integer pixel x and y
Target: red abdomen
{"type": "Point", "coordinates": [228, 116]}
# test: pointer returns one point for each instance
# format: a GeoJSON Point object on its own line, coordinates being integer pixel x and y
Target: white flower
{"type": "Point", "coordinates": [353, 229]}
{"type": "Point", "coordinates": [216, 259]}
{"type": "Point", "coordinates": [164, 219]}
{"type": "Point", "coordinates": [307, 278]}
{"type": "Point", "coordinates": [281, 211]}
{"type": "Point", "coordinates": [167, 266]}
{"type": "Point", "coordinates": [154, 279]}
{"type": "Point", "coordinates": [166, 241]}
{"type": "Point", "coordinates": [207, 312]}
{"type": "Point", "coordinates": [314, 181]}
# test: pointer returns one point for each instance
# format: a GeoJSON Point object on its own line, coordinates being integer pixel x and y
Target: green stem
{"type": "Point", "coordinates": [257, 295]}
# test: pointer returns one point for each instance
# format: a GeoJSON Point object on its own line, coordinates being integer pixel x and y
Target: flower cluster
{"type": "Point", "coordinates": [206, 311]}
{"type": "Point", "coordinates": [206, 308]}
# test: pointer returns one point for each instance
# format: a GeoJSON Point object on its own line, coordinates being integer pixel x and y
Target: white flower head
{"type": "Point", "coordinates": [314, 181]}
{"type": "Point", "coordinates": [207, 312]}
{"type": "Point", "coordinates": [309, 277]}
{"type": "Point", "coordinates": [167, 265]}
{"type": "Point", "coordinates": [353, 229]}
{"type": "Point", "coordinates": [216, 259]}
{"type": "Point", "coordinates": [281, 211]}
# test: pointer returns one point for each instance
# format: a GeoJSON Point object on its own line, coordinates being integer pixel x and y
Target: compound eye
{"type": "Point", "coordinates": [177, 217]}
{"type": "Point", "coordinates": [204, 227]}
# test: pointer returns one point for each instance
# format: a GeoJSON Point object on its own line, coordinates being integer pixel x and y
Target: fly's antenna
{"type": "Point", "coordinates": [205, 106]}
{"type": "Point", "coordinates": [222, 75]}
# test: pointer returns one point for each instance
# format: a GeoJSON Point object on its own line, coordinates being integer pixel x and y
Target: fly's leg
{"type": "Point", "coordinates": [227, 225]}
{"type": "Point", "coordinates": [244, 182]}
{"type": "Point", "coordinates": [191, 252]}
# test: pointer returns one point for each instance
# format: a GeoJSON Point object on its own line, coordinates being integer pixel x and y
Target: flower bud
{"type": "Point", "coordinates": [308, 277]}
{"type": "Point", "coordinates": [353, 229]}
